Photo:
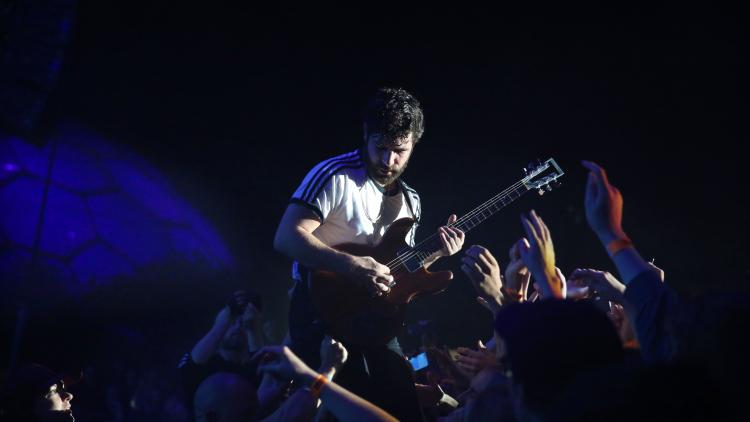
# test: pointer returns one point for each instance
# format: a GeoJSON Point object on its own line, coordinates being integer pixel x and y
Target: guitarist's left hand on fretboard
{"type": "Point", "coordinates": [451, 239]}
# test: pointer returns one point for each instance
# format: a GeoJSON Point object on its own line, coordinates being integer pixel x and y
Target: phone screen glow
{"type": "Point", "coordinates": [418, 362]}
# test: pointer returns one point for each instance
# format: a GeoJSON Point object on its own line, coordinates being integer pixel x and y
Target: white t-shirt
{"type": "Point", "coordinates": [352, 207]}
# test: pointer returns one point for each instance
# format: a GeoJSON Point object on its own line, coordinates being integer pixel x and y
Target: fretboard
{"type": "Point", "coordinates": [413, 258]}
{"type": "Point", "coordinates": [489, 208]}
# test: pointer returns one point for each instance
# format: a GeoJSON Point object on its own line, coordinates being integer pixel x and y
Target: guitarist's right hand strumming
{"type": "Point", "coordinates": [371, 275]}
{"type": "Point", "coordinates": [295, 238]}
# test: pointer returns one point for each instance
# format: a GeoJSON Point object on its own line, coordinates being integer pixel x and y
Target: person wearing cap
{"type": "Point", "coordinates": [37, 393]}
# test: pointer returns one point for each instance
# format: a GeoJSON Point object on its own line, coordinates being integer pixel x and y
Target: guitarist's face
{"type": "Point", "coordinates": [388, 157]}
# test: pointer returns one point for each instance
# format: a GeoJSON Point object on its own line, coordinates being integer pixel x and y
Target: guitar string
{"type": "Point", "coordinates": [401, 260]}
{"type": "Point", "coordinates": [484, 206]}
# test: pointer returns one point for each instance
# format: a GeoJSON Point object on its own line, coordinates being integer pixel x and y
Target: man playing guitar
{"type": "Point", "coordinates": [354, 198]}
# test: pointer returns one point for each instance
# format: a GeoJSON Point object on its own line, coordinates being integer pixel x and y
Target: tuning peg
{"type": "Point", "coordinates": [548, 187]}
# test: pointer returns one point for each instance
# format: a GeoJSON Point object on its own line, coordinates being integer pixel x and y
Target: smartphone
{"type": "Point", "coordinates": [419, 361]}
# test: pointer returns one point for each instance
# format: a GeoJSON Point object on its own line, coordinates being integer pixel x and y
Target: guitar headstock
{"type": "Point", "coordinates": [542, 176]}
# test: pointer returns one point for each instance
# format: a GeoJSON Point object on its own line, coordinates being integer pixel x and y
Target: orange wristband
{"type": "Point", "coordinates": [617, 245]}
{"type": "Point", "coordinates": [317, 385]}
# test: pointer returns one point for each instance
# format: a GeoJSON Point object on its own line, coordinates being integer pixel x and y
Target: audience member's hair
{"type": "Point", "coordinates": [225, 397]}
{"type": "Point", "coordinates": [549, 343]}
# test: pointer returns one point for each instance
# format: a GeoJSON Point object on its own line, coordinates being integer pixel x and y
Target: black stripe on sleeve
{"type": "Point", "coordinates": [333, 173]}
{"type": "Point", "coordinates": [309, 206]}
{"type": "Point", "coordinates": [315, 180]}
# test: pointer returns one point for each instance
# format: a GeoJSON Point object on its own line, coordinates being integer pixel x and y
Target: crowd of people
{"type": "Point", "coordinates": [589, 346]}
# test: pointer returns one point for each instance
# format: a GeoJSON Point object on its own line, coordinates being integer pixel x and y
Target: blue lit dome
{"type": "Point", "coordinates": [108, 214]}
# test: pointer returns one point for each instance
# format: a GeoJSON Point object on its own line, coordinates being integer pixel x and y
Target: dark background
{"type": "Point", "coordinates": [236, 104]}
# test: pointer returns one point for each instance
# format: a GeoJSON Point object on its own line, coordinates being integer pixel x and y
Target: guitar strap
{"type": "Point", "coordinates": [415, 206]}
{"type": "Point", "coordinates": [412, 200]}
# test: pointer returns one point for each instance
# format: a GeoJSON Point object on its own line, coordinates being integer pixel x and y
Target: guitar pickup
{"type": "Point", "coordinates": [411, 259]}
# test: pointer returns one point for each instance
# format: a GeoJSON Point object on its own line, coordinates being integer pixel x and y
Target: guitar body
{"type": "Point", "coordinates": [350, 314]}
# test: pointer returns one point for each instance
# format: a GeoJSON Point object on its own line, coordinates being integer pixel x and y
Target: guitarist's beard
{"type": "Point", "coordinates": [375, 172]}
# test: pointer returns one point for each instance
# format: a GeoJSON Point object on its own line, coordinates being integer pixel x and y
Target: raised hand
{"type": "Point", "coordinates": [603, 203]}
{"type": "Point", "coordinates": [484, 272]}
{"type": "Point", "coordinates": [539, 256]}
{"type": "Point", "coordinates": [473, 361]}
{"type": "Point", "coordinates": [517, 275]}
{"type": "Point", "coordinates": [622, 324]}
{"type": "Point", "coordinates": [250, 316]}
{"type": "Point", "coordinates": [333, 355]}
{"type": "Point", "coordinates": [224, 318]}
{"type": "Point", "coordinates": [281, 363]}
{"type": "Point", "coordinates": [577, 289]}
{"type": "Point", "coordinates": [599, 283]}
{"type": "Point", "coordinates": [537, 294]}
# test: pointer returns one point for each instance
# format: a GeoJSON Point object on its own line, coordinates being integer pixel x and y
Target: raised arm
{"type": "Point", "coordinates": [651, 306]}
{"type": "Point", "coordinates": [603, 204]}
{"type": "Point", "coordinates": [345, 405]}
{"type": "Point", "coordinates": [209, 344]}
{"type": "Point", "coordinates": [302, 405]}
{"type": "Point", "coordinates": [538, 253]}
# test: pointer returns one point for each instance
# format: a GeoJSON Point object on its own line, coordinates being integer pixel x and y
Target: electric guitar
{"type": "Point", "coordinates": [352, 316]}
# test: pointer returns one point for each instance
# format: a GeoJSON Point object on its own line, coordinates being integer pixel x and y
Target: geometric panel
{"type": "Point", "coordinates": [154, 195]}
{"type": "Point", "coordinates": [108, 214]}
{"type": "Point", "coordinates": [123, 224]}
{"type": "Point", "coordinates": [210, 238]}
{"type": "Point", "coordinates": [16, 272]}
{"type": "Point", "coordinates": [97, 264]}
{"type": "Point", "coordinates": [20, 201]}
{"type": "Point", "coordinates": [187, 244]}
{"type": "Point", "coordinates": [9, 164]}
{"type": "Point", "coordinates": [31, 158]}
{"type": "Point", "coordinates": [79, 172]}
{"type": "Point", "coordinates": [67, 224]}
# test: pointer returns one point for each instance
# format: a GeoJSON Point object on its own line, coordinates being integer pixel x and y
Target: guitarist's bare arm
{"type": "Point", "coordinates": [294, 238]}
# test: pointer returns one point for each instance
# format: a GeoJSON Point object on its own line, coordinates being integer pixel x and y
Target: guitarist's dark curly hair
{"type": "Point", "coordinates": [393, 113]}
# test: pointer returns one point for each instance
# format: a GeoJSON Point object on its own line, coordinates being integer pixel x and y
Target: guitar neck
{"type": "Point", "coordinates": [481, 213]}
{"type": "Point", "coordinates": [474, 218]}
{"type": "Point", "coordinates": [540, 177]}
